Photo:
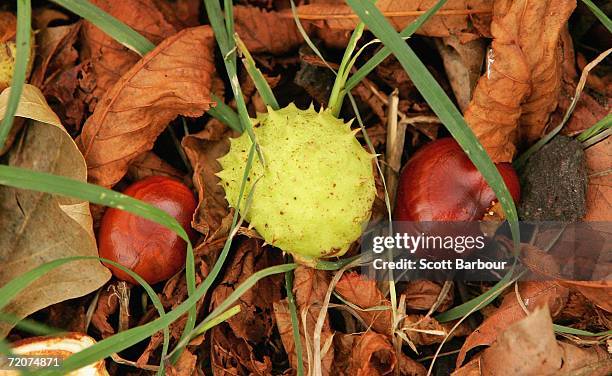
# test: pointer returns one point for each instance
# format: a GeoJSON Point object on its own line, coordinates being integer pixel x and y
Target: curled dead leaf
{"type": "Point", "coordinates": [534, 294]}
{"type": "Point", "coordinates": [167, 82]}
{"type": "Point", "coordinates": [514, 98]}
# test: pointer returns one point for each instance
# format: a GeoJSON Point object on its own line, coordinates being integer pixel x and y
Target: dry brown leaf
{"type": "Point", "coordinates": [173, 79]}
{"type": "Point", "coordinates": [466, 19]}
{"type": "Point", "coordinates": [107, 59]}
{"type": "Point", "coordinates": [514, 98]}
{"type": "Point", "coordinates": [364, 293]}
{"type": "Point", "coordinates": [108, 303]}
{"type": "Point", "coordinates": [425, 330]}
{"type": "Point", "coordinates": [422, 294]}
{"type": "Point", "coordinates": [254, 322]}
{"type": "Point", "coordinates": [598, 292]}
{"type": "Point", "coordinates": [36, 227]}
{"type": "Point", "coordinates": [599, 189]}
{"type": "Point", "coordinates": [185, 366]}
{"type": "Point", "coordinates": [203, 149]}
{"type": "Point", "coordinates": [463, 64]}
{"type": "Point", "coordinates": [263, 31]}
{"type": "Point", "coordinates": [529, 347]}
{"type": "Point", "coordinates": [149, 164]}
{"type": "Point", "coordinates": [57, 72]}
{"type": "Point", "coordinates": [372, 355]}
{"type": "Point", "coordinates": [310, 287]}
{"type": "Point", "coordinates": [231, 356]}
{"type": "Point", "coordinates": [533, 293]}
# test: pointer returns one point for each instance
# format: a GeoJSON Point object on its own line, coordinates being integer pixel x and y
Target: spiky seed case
{"type": "Point", "coordinates": [315, 194]}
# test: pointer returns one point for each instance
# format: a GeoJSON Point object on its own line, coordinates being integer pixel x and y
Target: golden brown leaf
{"type": "Point", "coordinates": [533, 293]}
{"type": "Point", "coordinates": [149, 164]}
{"type": "Point", "coordinates": [254, 322]}
{"type": "Point", "coordinates": [529, 347]}
{"type": "Point", "coordinates": [203, 149]}
{"type": "Point", "coordinates": [598, 292]}
{"type": "Point", "coordinates": [263, 31]}
{"type": "Point", "coordinates": [364, 293]}
{"type": "Point", "coordinates": [173, 79]}
{"type": "Point", "coordinates": [466, 19]}
{"type": "Point", "coordinates": [599, 189]}
{"type": "Point", "coordinates": [520, 89]}
{"type": "Point", "coordinates": [372, 355]}
{"type": "Point", "coordinates": [108, 60]}
{"type": "Point", "coordinates": [422, 294]}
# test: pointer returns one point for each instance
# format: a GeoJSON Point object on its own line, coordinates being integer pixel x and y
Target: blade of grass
{"type": "Point", "coordinates": [227, 46]}
{"type": "Point", "coordinates": [225, 114]}
{"type": "Point", "coordinates": [337, 94]}
{"type": "Point", "coordinates": [597, 128]}
{"type": "Point", "coordinates": [385, 52]}
{"type": "Point", "coordinates": [441, 105]}
{"type": "Point", "coordinates": [601, 16]}
{"type": "Point", "coordinates": [579, 332]}
{"type": "Point", "coordinates": [24, 14]}
{"type": "Point", "coordinates": [259, 80]}
{"type": "Point", "coordinates": [116, 29]}
{"type": "Point", "coordinates": [295, 323]}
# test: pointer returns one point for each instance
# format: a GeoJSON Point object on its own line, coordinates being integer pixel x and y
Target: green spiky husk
{"type": "Point", "coordinates": [315, 194]}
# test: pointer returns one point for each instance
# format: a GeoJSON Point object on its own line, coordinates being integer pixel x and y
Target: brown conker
{"type": "Point", "coordinates": [149, 249]}
{"type": "Point", "coordinates": [440, 183]}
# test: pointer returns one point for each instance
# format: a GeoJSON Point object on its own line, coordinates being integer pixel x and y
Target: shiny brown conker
{"type": "Point", "coordinates": [149, 249]}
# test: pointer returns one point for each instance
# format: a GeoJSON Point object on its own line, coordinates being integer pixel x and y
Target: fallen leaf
{"type": "Point", "coordinates": [263, 31]}
{"type": "Point", "coordinates": [599, 189]}
{"type": "Point", "coordinates": [422, 294]}
{"type": "Point", "coordinates": [529, 347]}
{"type": "Point", "coordinates": [372, 355]}
{"type": "Point", "coordinates": [185, 366]}
{"type": "Point", "coordinates": [108, 303]}
{"type": "Point", "coordinates": [533, 293]}
{"type": "Point", "coordinates": [309, 287]}
{"type": "Point", "coordinates": [203, 149]}
{"type": "Point", "coordinates": [598, 292]}
{"type": "Point", "coordinates": [254, 322]}
{"type": "Point", "coordinates": [167, 82]}
{"type": "Point", "coordinates": [425, 330]}
{"type": "Point", "coordinates": [232, 356]}
{"type": "Point", "coordinates": [363, 292]}
{"type": "Point", "coordinates": [463, 64]}
{"type": "Point", "coordinates": [107, 59]}
{"type": "Point", "coordinates": [514, 98]}
{"type": "Point", "coordinates": [34, 229]}
{"type": "Point", "coordinates": [466, 19]}
{"type": "Point", "coordinates": [149, 164]}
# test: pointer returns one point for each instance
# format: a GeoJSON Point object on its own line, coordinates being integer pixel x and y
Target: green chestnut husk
{"type": "Point", "coordinates": [314, 196]}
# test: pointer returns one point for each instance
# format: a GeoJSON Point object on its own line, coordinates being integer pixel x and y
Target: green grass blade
{"type": "Point", "coordinates": [24, 14]}
{"type": "Point", "coordinates": [225, 114]}
{"type": "Point", "coordinates": [385, 52]}
{"type": "Point", "coordinates": [228, 50]}
{"type": "Point", "coordinates": [116, 29]}
{"type": "Point", "coordinates": [579, 332]}
{"type": "Point", "coordinates": [337, 94]}
{"type": "Point", "coordinates": [264, 90]}
{"type": "Point", "coordinates": [441, 105]}
{"type": "Point", "coordinates": [601, 16]}
{"type": "Point", "coordinates": [295, 323]}
{"type": "Point", "coordinates": [597, 128]}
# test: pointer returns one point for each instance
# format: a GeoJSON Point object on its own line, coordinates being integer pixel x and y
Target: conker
{"type": "Point", "coordinates": [440, 183]}
{"type": "Point", "coordinates": [149, 249]}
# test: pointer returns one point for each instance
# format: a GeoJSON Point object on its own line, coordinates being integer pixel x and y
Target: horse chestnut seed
{"type": "Point", "coordinates": [440, 183]}
{"type": "Point", "coordinates": [149, 249]}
